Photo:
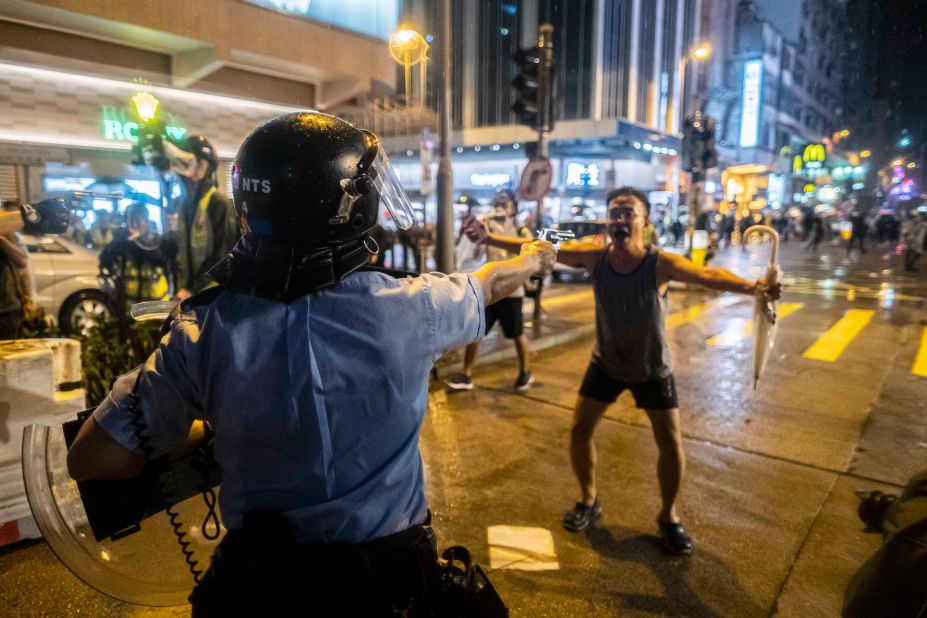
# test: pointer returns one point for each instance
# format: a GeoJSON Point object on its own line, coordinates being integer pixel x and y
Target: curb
{"type": "Point", "coordinates": [508, 352]}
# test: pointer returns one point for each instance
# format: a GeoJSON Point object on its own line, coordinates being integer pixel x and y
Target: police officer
{"type": "Point", "coordinates": [206, 226]}
{"type": "Point", "coordinates": [312, 370]}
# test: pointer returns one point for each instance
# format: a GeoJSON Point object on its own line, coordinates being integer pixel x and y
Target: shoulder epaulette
{"type": "Point", "coordinates": [201, 298]}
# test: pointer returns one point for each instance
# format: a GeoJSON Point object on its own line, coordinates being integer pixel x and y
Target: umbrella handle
{"type": "Point", "coordinates": [765, 229]}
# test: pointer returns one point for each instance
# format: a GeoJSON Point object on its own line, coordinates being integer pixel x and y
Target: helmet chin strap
{"type": "Point", "coordinates": [259, 267]}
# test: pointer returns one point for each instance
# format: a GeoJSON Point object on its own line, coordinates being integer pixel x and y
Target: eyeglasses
{"type": "Point", "coordinates": [622, 214]}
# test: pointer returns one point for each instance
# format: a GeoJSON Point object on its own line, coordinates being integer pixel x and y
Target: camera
{"type": "Point", "coordinates": [149, 149]}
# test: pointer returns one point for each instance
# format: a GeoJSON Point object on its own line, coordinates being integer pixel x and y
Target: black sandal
{"type": "Point", "coordinates": [675, 538]}
{"type": "Point", "coordinates": [580, 516]}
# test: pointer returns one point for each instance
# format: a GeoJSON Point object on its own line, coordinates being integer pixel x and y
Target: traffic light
{"type": "Point", "coordinates": [699, 150]}
{"type": "Point", "coordinates": [527, 86]}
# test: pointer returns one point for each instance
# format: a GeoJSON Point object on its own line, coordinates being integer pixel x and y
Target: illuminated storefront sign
{"type": "Point", "coordinates": [814, 153]}
{"type": "Point", "coordinates": [581, 175]}
{"type": "Point", "coordinates": [376, 18]}
{"type": "Point", "coordinates": [490, 179]}
{"type": "Point", "coordinates": [119, 126]}
{"type": "Point", "coordinates": [750, 110]}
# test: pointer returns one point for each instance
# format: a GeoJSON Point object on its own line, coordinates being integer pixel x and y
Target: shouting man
{"type": "Point", "coordinates": [630, 280]}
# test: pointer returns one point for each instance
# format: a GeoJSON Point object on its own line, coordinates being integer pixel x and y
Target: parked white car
{"type": "Point", "coordinates": [67, 282]}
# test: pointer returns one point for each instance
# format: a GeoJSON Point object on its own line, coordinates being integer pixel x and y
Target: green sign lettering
{"type": "Point", "coordinates": [118, 126]}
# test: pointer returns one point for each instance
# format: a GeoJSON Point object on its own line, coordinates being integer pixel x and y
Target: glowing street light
{"type": "Point", "coordinates": [865, 154]}
{"type": "Point", "coordinates": [911, 165]}
{"type": "Point", "coordinates": [701, 52]}
{"type": "Point", "coordinates": [408, 48]}
{"type": "Point", "coordinates": [146, 106]}
{"type": "Point", "coordinates": [897, 162]}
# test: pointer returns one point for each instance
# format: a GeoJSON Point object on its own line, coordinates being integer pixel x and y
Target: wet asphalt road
{"type": "Point", "coordinates": [771, 472]}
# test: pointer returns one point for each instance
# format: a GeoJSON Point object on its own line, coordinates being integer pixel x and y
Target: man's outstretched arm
{"type": "Point", "coordinates": [577, 256]}
{"type": "Point", "coordinates": [671, 267]}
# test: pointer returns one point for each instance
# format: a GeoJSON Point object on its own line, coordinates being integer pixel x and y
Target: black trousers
{"type": "Point", "coordinates": [259, 570]}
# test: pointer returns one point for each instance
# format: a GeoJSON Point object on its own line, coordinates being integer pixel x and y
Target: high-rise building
{"type": "Point", "coordinates": [618, 66]}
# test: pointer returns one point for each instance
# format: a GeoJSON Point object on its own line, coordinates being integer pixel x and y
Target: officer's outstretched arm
{"type": "Point", "coordinates": [499, 279]}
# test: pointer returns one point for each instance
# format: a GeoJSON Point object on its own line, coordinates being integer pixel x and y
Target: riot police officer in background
{"type": "Point", "coordinates": [311, 367]}
{"type": "Point", "coordinates": [206, 225]}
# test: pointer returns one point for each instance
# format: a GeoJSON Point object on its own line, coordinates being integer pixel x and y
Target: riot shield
{"type": "Point", "coordinates": [143, 563]}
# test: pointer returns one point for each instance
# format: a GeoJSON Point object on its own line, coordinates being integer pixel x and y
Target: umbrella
{"type": "Point", "coordinates": [764, 309]}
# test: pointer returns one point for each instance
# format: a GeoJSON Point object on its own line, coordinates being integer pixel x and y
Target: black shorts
{"type": "Point", "coordinates": [508, 312]}
{"type": "Point", "coordinates": [659, 394]}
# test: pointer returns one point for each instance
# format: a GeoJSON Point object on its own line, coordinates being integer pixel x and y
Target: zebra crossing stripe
{"type": "Point", "coordinates": [920, 363]}
{"type": "Point", "coordinates": [832, 343]}
{"type": "Point", "coordinates": [742, 328]}
{"type": "Point", "coordinates": [690, 314]}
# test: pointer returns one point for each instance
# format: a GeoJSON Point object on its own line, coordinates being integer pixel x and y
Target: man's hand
{"type": "Point", "coordinates": [771, 292]}
{"type": "Point", "coordinates": [182, 294]}
{"type": "Point", "coordinates": [546, 253]}
{"type": "Point", "coordinates": [475, 230]}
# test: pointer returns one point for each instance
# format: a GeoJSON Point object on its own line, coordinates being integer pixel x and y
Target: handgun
{"type": "Point", "coordinates": [554, 235]}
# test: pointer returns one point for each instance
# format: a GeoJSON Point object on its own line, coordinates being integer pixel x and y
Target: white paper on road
{"type": "Point", "coordinates": [522, 548]}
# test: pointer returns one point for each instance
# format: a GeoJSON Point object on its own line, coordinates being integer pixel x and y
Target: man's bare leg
{"type": "Point", "coordinates": [470, 353]}
{"type": "Point", "coordinates": [521, 346]}
{"type": "Point", "coordinates": [671, 464]}
{"type": "Point", "coordinates": [586, 417]}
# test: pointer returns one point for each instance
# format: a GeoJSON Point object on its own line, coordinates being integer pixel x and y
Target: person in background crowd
{"type": "Point", "coordinates": [101, 232]}
{"type": "Point", "coordinates": [135, 259]}
{"type": "Point", "coordinates": [206, 226]}
{"type": "Point", "coordinates": [857, 232]}
{"type": "Point", "coordinates": [508, 311]}
{"type": "Point", "coordinates": [914, 238]}
{"type": "Point", "coordinates": [16, 289]}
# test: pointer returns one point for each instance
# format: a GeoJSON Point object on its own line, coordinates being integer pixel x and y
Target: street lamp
{"type": "Point", "coordinates": [865, 154]}
{"type": "Point", "coordinates": [700, 52]}
{"type": "Point", "coordinates": [408, 48]}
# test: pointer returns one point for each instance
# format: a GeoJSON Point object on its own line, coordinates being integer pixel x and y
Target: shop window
{"type": "Point", "coordinates": [9, 187]}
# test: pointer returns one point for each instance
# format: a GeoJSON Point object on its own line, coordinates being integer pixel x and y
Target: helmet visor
{"type": "Point", "coordinates": [391, 192]}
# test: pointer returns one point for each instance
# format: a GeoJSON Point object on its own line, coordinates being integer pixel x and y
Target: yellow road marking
{"type": "Point", "coordinates": [690, 314]}
{"type": "Point", "coordinates": [742, 328]}
{"type": "Point", "coordinates": [920, 363]}
{"type": "Point", "coordinates": [831, 344]}
{"type": "Point", "coordinates": [565, 299]}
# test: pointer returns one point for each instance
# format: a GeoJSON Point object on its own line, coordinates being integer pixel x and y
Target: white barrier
{"type": "Point", "coordinates": [31, 374]}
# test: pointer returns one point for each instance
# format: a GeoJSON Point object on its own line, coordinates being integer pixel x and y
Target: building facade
{"type": "Point", "coordinates": [68, 69]}
{"type": "Point", "coordinates": [779, 104]}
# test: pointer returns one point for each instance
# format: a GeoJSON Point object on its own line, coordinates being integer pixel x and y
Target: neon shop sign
{"type": "Point", "coordinates": [119, 125]}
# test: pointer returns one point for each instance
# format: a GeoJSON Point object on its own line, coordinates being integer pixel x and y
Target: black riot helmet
{"type": "Point", "coordinates": [309, 179]}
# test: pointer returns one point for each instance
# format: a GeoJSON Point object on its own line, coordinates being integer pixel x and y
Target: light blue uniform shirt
{"type": "Point", "coordinates": [316, 404]}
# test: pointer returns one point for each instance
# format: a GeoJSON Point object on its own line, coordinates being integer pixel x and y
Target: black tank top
{"type": "Point", "coordinates": [630, 321]}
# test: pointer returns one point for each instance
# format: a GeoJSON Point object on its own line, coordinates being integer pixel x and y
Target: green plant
{"type": "Point", "coordinates": [105, 355]}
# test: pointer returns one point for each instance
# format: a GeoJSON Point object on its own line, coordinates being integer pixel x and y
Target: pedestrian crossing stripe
{"type": "Point", "coordinates": [690, 314]}
{"type": "Point", "coordinates": [920, 363]}
{"type": "Point", "coordinates": [832, 343]}
{"type": "Point", "coordinates": [742, 328]}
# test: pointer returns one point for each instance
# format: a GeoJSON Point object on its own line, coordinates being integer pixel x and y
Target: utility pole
{"type": "Point", "coordinates": [545, 124]}
{"type": "Point", "coordinates": [545, 102]}
{"type": "Point", "coordinates": [444, 242]}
